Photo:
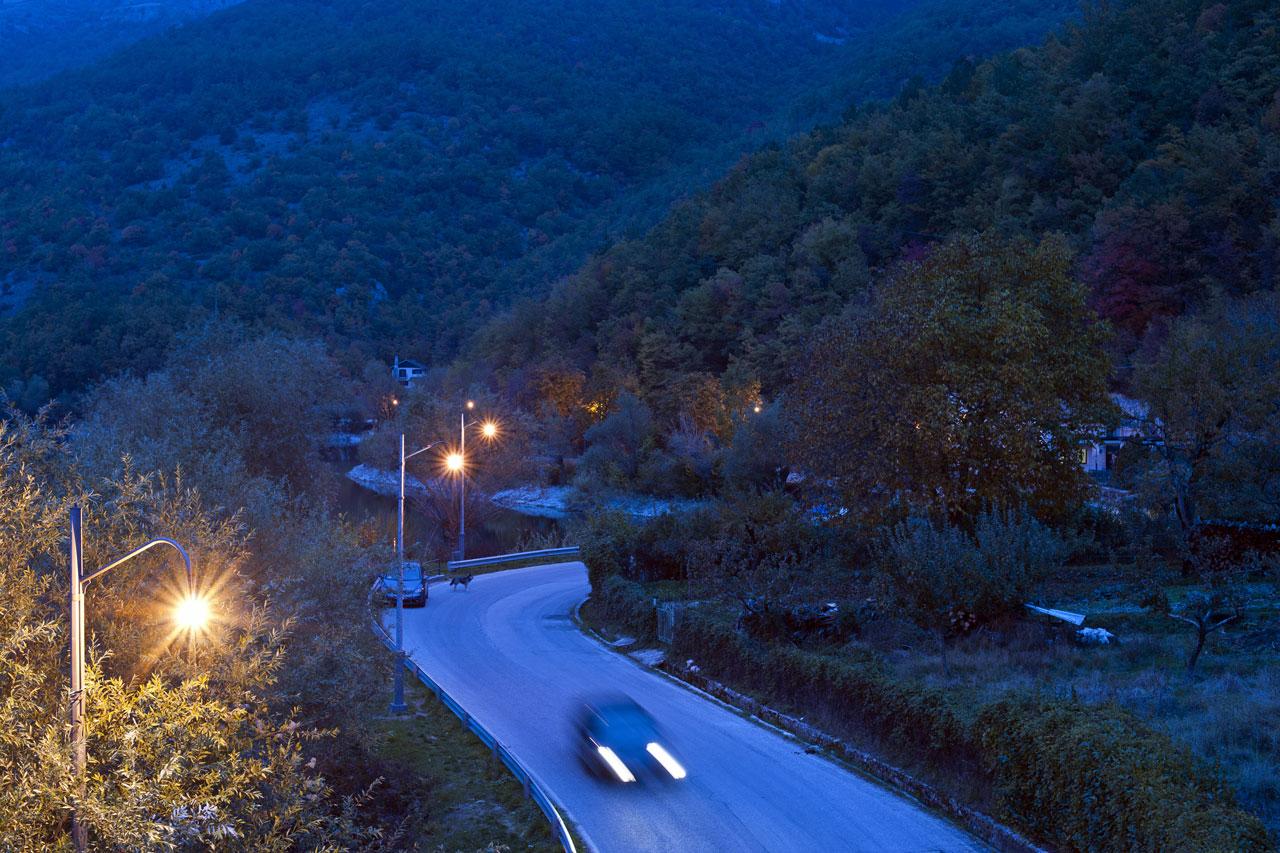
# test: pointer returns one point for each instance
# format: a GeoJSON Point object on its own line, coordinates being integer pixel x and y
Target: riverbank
{"type": "Point", "coordinates": [542, 501]}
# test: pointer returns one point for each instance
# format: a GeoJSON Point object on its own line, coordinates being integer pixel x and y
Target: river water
{"type": "Point", "coordinates": [501, 531]}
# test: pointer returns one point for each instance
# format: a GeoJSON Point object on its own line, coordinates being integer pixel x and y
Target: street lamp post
{"type": "Point", "coordinates": [489, 430]}
{"type": "Point", "coordinates": [462, 485]}
{"type": "Point", "coordinates": [192, 611]}
{"type": "Point", "coordinates": [398, 705]}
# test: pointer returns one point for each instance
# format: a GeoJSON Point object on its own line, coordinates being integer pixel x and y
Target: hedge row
{"type": "Point", "coordinates": [1085, 778]}
{"type": "Point", "coordinates": [1077, 777]}
{"type": "Point", "coordinates": [855, 689]}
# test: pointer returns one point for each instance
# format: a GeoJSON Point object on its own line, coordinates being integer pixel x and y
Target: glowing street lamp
{"type": "Point", "coordinates": [456, 463]}
{"type": "Point", "coordinates": [192, 614]}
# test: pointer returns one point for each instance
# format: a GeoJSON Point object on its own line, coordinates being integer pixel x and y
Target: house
{"type": "Point", "coordinates": [1100, 455]}
{"type": "Point", "coordinates": [406, 371]}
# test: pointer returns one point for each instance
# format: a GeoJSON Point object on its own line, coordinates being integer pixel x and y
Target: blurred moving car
{"type": "Point", "coordinates": [415, 586]}
{"type": "Point", "coordinates": [619, 741]}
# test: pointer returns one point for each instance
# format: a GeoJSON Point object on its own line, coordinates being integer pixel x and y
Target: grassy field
{"type": "Point", "coordinates": [1226, 711]}
{"type": "Point", "coordinates": [467, 799]}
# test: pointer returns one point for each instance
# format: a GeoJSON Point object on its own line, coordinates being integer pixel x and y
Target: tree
{"type": "Point", "coordinates": [616, 443]}
{"type": "Point", "coordinates": [1212, 387]}
{"type": "Point", "coordinates": [1220, 594]}
{"type": "Point", "coordinates": [754, 459]}
{"type": "Point", "coordinates": [970, 379]}
{"type": "Point", "coordinates": [761, 551]}
{"type": "Point", "coordinates": [185, 751]}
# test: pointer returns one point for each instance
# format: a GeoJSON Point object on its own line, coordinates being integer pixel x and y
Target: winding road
{"type": "Point", "coordinates": [508, 651]}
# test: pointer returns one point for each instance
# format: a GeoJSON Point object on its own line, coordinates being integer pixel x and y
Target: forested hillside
{"type": "Point", "coordinates": [1148, 134]}
{"type": "Point", "coordinates": [387, 176]}
{"type": "Point", "coordinates": [42, 37]}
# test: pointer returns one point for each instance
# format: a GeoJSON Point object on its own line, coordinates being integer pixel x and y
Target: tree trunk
{"type": "Point", "coordinates": [1201, 633]}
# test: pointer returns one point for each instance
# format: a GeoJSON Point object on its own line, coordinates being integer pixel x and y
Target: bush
{"type": "Point", "coordinates": [606, 543]}
{"type": "Point", "coordinates": [1091, 778]}
{"type": "Point", "coordinates": [625, 606]}
{"type": "Point", "coordinates": [949, 582]}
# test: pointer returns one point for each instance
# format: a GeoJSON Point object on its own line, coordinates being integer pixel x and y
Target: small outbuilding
{"type": "Point", "coordinates": [406, 371]}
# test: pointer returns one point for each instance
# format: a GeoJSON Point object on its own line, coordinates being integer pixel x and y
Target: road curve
{"type": "Point", "coordinates": [507, 650]}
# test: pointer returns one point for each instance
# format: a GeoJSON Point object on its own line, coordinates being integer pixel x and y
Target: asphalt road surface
{"type": "Point", "coordinates": [508, 651]}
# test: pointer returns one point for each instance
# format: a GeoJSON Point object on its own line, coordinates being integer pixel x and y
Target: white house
{"type": "Point", "coordinates": [1100, 455]}
{"type": "Point", "coordinates": [406, 371]}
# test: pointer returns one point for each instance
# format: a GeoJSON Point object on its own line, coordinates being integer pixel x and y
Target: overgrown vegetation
{"type": "Point", "coordinates": [462, 797]}
{"type": "Point", "coordinates": [253, 734]}
{"type": "Point", "coordinates": [386, 176]}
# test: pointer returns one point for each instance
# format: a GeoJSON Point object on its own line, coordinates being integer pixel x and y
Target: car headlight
{"type": "Point", "coordinates": [619, 769]}
{"type": "Point", "coordinates": [667, 760]}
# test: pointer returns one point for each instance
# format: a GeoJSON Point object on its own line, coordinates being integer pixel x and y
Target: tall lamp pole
{"type": "Point", "coordinates": [398, 705]}
{"type": "Point", "coordinates": [462, 485]}
{"type": "Point", "coordinates": [192, 613]}
{"type": "Point", "coordinates": [458, 461]}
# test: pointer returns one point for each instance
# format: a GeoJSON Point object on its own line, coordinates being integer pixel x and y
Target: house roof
{"type": "Point", "coordinates": [411, 364]}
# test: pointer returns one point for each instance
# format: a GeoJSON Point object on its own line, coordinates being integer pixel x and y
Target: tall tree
{"type": "Point", "coordinates": [970, 378]}
{"type": "Point", "coordinates": [1213, 390]}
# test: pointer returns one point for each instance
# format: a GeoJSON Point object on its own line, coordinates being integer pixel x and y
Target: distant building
{"type": "Point", "coordinates": [1100, 455]}
{"type": "Point", "coordinates": [406, 371]}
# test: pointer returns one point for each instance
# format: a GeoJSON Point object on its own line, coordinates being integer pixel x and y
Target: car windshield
{"type": "Point", "coordinates": [412, 574]}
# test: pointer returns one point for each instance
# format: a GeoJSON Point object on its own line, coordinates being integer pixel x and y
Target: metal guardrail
{"type": "Point", "coordinates": [571, 551]}
{"type": "Point", "coordinates": [532, 789]}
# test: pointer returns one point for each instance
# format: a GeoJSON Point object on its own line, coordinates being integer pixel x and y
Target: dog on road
{"type": "Point", "coordinates": [461, 581]}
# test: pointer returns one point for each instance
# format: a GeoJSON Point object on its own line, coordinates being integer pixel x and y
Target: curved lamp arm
{"type": "Point", "coordinates": [423, 449]}
{"type": "Point", "coordinates": [84, 581]}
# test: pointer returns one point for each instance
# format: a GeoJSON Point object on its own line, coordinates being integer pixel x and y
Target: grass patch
{"type": "Point", "coordinates": [466, 799]}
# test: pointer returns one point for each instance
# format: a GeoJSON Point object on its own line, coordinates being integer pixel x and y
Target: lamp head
{"type": "Point", "coordinates": [192, 613]}
{"type": "Point", "coordinates": [454, 462]}
{"type": "Point", "coordinates": [489, 429]}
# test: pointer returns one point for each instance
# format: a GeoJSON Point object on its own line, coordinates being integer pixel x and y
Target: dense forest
{"type": "Point", "coordinates": [387, 176]}
{"type": "Point", "coordinates": [39, 38]}
{"type": "Point", "coordinates": [1147, 134]}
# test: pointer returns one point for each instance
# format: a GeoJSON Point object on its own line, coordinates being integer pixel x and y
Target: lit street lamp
{"type": "Point", "coordinates": [397, 700]}
{"type": "Point", "coordinates": [191, 614]}
{"type": "Point", "coordinates": [456, 462]}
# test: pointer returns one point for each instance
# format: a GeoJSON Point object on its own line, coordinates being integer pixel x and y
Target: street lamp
{"type": "Point", "coordinates": [456, 462]}
{"type": "Point", "coordinates": [397, 700]}
{"type": "Point", "coordinates": [192, 613]}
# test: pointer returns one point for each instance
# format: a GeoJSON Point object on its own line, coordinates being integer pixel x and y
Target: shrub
{"type": "Point", "coordinates": [948, 582]}
{"type": "Point", "coordinates": [1092, 778]}
{"type": "Point", "coordinates": [626, 606]}
{"type": "Point", "coordinates": [606, 542]}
